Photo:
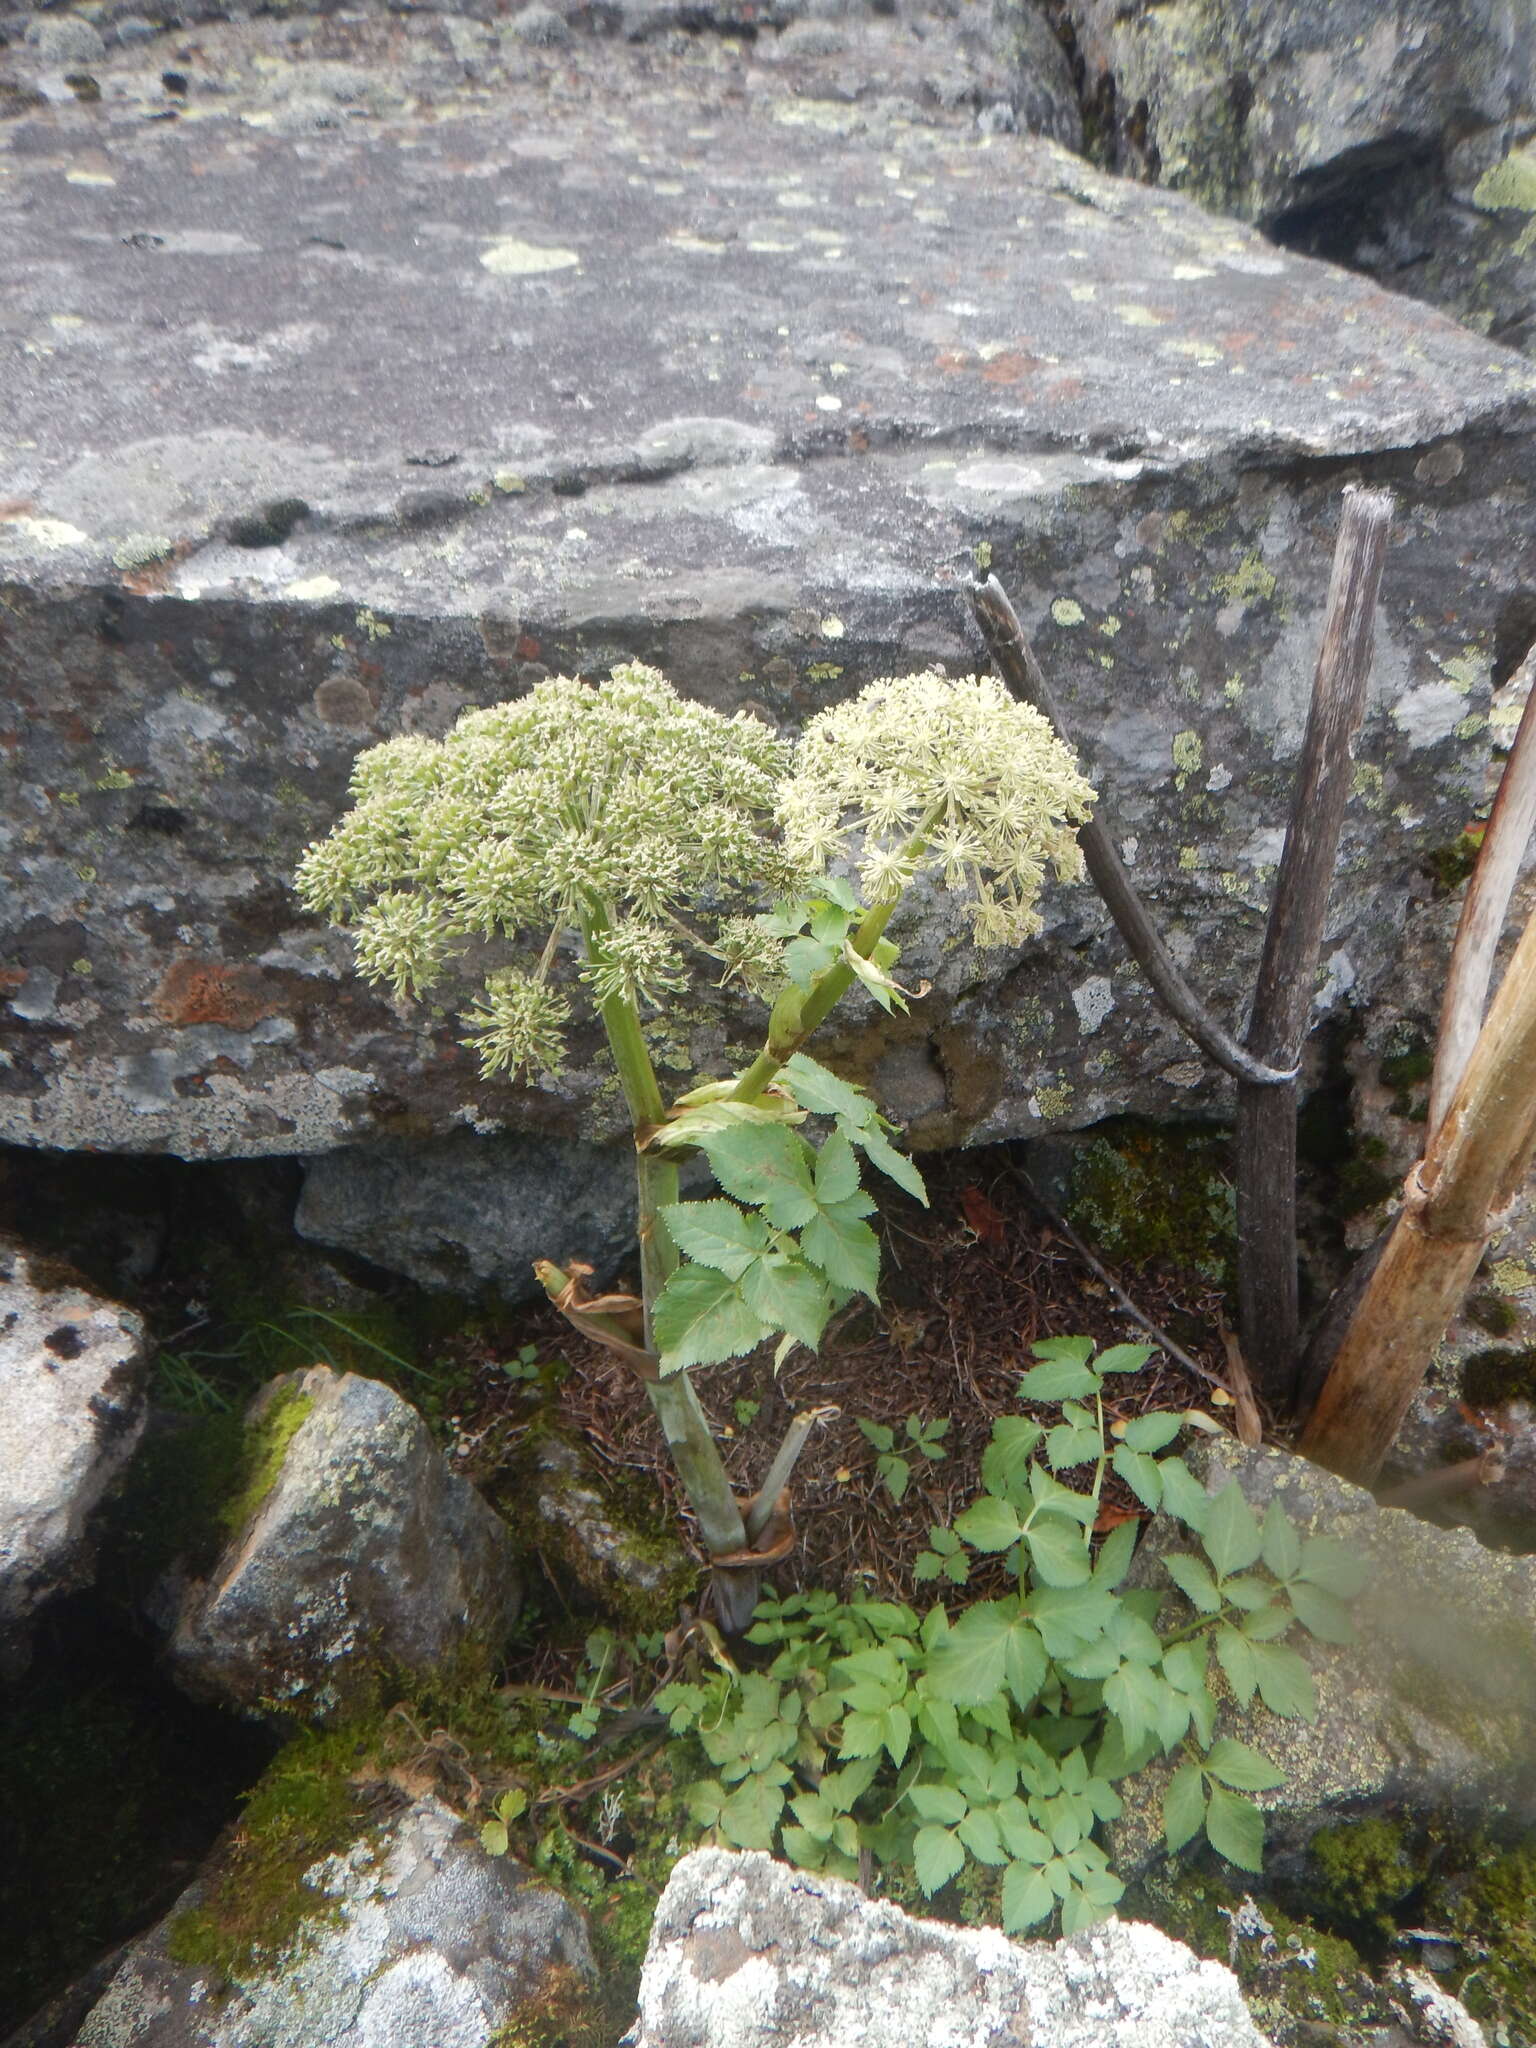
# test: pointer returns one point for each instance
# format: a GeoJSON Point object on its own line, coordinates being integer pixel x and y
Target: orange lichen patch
{"type": "Point", "coordinates": [16, 508]}
{"type": "Point", "coordinates": [209, 992]}
{"type": "Point", "coordinates": [1011, 368]}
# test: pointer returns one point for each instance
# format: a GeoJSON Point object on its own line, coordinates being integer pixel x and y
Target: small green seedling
{"type": "Point", "coordinates": [922, 1439]}
{"type": "Point", "coordinates": [511, 1806]}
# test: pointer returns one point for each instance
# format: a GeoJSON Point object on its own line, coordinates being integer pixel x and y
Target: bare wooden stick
{"type": "Point", "coordinates": [1475, 1165]}
{"type": "Point", "coordinates": [1019, 669]}
{"type": "Point", "coordinates": [1268, 1305]}
{"type": "Point", "coordinates": [1510, 825]}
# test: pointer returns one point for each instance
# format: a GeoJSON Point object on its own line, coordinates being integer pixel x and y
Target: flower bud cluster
{"type": "Point", "coordinates": [954, 778]}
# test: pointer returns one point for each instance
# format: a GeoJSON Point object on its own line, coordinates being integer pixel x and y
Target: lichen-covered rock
{"type": "Point", "coordinates": [354, 1550]}
{"type": "Point", "coordinates": [1428, 1712]}
{"type": "Point", "coordinates": [746, 1952]}
{"type": "Point", "coordinates": [1266, 107]}
{"type": "Point", "coordinates": [72, 1408]}
{"type": "Point", "coordinates": [417, 1939]}
{"type": "Point", "coordinates": [466, 1212]}
{"type": "Point", "coordinates": [633, 1575]}
{"type": "Point", "coordinates": [1144, 411]}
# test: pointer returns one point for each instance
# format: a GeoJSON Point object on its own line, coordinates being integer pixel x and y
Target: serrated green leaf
{"type": "Point", "coordinates": [494, 1838]}
{"type": "Point", "coordinates": [1123, 1358]}
{"type": "Point", "coordinates": [1321, 1613]}
{"type": "Point", "coordinates": [717, 1234]}
{"type": "Point", "coordinates": [749, 1817]}
{"type": "Point", "coordinates": [863, 1735]}
{"type": "Point", "coordinates": [1284, 1682]}
{"type": "Point", "coordinates": [1152, 1432]}
{"type": "Point", "coordinates": [1071, 1616]}
{"type": "Point", "coordinates": [1245, 1770]}
{"type": "Point", "coordinates": [1076, 1349]}
{"type": "Point", "coordinates": [1024, 1840]}
{"type": "Point", "coordinates": [939, 1804]}
{"type": "Point", "coordinates": [1327, 1563]}
{"type": "Point", "coordinates": [1234, 1827]}
{"type": "Point", "coordinates": [1066, 1446]}
{"type": "Point", "coordinates": [1027, 1898]}
{"type": "Point", "coordinates": [979, 1832]}
{"type": "Point", "coordinates": [1057, 1552]}
{"type": "Point", "coordinates": [1115, 1554]}
{"type": "Point", "coordinates": [769, 1168]}
{"type": "Point", "coordinates": [990, 1646]}
{"type": "Point", "coordinates": [829, 923]}
{"type": "Point", "coordinates": [1046, 1491]}
{"type": "Point", "coordinates": [806, 958]}
{"type": "Point", "coordinates": [1235, 1654]}
{"type": "Point", "coordinates": [1231, 1535]}
{"type": "Point", "coordinates": [1263, 1624]}
{"type": "Point", "coordinates": [936, 1857]}
{"type": "Point", "coordinates": [815, 1088]}
{"type": "Point", "coordinates": [788, 1295]}
{"type": "Point", "coordinates": [1006, 1460]}
{"type": "Point", "coordinates": [897, 1723]}
{"type": "Point", "coordinates": [880, 1434]}
{"type": "Point", "coordinates": [1135, 1696]}
{"type": "Point", "coordinates": [1183, 1807]}
{"type": "Point", "coordinates": [1143, 1475]}
{"type": "Point", "coordinates": [845, 1248]}
{"type": "Point", "coordinates": [1281, 1550]}
{"type": "Point", "coordinates": [1183, 1495]}
{"type": "Point", "coordinates": [1193, 1581]}
{"type": "Point", "coordinates": [1248, 1591]}
{"type": "Point", "coordinates": [1057, 1379]}
{"type": "Point", "coordinates": [896, 1166]}
{"type": "Point", "coordinates": [701, 1319]}
{"type": "Point", "coordinates": [897, 1474]}
{"type": "Point", "coordinates": [989, 1524]}
{"type": "Point", "coordinates": [837, 1170]}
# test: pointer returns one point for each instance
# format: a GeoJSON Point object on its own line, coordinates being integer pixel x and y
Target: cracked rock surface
{"type": "Point", "coordinates": [374, 367]}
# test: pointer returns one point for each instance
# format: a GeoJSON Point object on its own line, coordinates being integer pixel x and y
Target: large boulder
{"type": "Point", "coordinates": [1271, 108]}
{"type": "Point", "coordinates": [466, 1212]}
{"type": "Point", "coordinates": [415, 1936]}
{"type": "Point", "coordinates": [353, 1550]}
{"type": "Point", "coordinates": [450, 396]}
{"type": "Point", "coordinates": [1427, 1713]}
{"type": "Point", "coordinates": [745, 1952]}
{"type": "Point", "coordinates": [72, 1409]}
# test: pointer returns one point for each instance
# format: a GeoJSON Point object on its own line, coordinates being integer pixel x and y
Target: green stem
{"type": "Point", "coordinates": [683, 1422]}
{"type": "Point", "coordinates": [831, 985]}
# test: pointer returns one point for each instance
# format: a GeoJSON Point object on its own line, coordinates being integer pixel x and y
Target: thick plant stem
{"type": "Point", "coordinates": [829, 987]}
{"type": "Point", "coordinates": [1267, 1291]}
{"type": "Point", "coordinates": [1477, 1160]}
{"type": "Point", "coordinates": [684, 1424]}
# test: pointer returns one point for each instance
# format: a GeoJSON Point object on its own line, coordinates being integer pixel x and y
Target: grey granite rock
{"type": "Point", "coordinates": [1267, 107]}
{"type": "Point", "coordinates": [417, 1937]}
{"type": "Point", "coordinates": [72, 1409]}
{"type": "Point", "coordinates": [65, 38]}
{"type": "Point", "coordinates": [358, 1549]}
{"type": "Point", "coordinates": [1428, 1712]}
{"type": "Point", "coordinates": [746, 1952]}
{"type": "Point", "coordinates": [415, 442]}
{"type": "Point", "coordinates": [466, 1212]}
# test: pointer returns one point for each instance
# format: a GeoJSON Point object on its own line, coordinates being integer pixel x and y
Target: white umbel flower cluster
{"type": "Point", "coordinates": [607, 809]}
{"type": "Point", "coordinates": [950, 777]}
{"type": "Point", "coordinates": [643, 825]}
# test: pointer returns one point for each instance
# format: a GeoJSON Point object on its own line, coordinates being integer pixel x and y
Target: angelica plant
{"type": "Point", "coordinates": [587, 848]}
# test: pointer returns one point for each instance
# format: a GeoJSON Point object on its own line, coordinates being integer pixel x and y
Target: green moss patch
{"type": "Point", "coordinates": [1141, 1192]}
{"type": "Point", "coordinates": [312, 1802]}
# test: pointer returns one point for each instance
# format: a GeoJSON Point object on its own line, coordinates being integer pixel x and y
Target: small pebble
{"type": "Point", "coordinates": [65, 39]}
{"type": "Point", "coordinates": [542, 26]}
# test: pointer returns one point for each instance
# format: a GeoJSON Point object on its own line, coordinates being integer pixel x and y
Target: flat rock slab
{"type": "Point", "coordinates": [346, 387]}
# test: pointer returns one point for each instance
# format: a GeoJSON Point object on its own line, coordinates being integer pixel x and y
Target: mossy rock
{"type": "Point", "coordinates": [1143, 1192]}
